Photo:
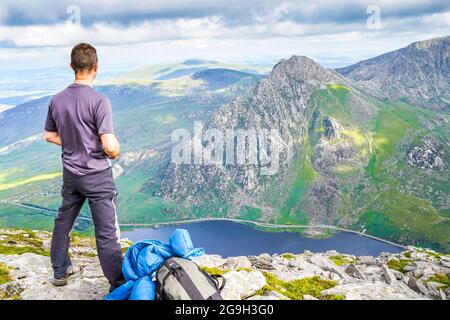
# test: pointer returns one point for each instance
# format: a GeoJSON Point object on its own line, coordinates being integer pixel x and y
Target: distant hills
{"type": "Point", "coordinates": [186, 68]}
{"type": "Point", "coordinates": [171, 82]}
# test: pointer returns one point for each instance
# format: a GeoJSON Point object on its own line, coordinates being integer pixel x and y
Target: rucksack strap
{"type": "Point", "coordinates": [214, 279]}
{"type": "Point", "coordinates": [183, 278]}
{"type": "Point", "coordinates": [215, 296]}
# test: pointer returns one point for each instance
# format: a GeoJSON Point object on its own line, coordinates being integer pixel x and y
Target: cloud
{"type": "Point", "coordinates": [210, 28]}
{"type": "Point", "coordinates": [233, 12]}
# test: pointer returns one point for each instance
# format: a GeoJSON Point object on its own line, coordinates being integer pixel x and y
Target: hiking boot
{"type": "Point", "coordinates": [72, 272]}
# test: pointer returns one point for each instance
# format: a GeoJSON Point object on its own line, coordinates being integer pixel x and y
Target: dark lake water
{"type": "Point", "coordinates": [235, 239]}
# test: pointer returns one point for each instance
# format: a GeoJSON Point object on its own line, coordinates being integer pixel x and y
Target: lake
{"type": "Point", "coordinates": [235, 239]}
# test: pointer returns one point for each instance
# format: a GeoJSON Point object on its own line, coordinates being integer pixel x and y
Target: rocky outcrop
{"type": "Point", "coordinates": [413, 274]}
{"type": "Point", "coordinates": [429, 155]}
{"type": "Point", "coordinates": [26, 255]}
{"type": "Point", "coordinates": [331, 127]}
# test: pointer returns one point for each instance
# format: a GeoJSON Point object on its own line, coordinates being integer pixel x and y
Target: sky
{"type": "Point", "coordinates": [40, 34]}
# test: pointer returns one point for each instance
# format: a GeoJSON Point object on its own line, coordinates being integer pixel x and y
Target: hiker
{"type": "Point", "coordinates": [80, 121]}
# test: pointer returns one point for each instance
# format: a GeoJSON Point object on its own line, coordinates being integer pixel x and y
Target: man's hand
{"type": "Point", "coordinates": [111, 145]}
{"type": "Point", "coordinates": [52, 137]}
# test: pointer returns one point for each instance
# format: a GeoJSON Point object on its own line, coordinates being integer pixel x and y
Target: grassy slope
{"type": "Point", "coordinates": [389, 209]}
{"type": "Point", "coordinates": [375, 195]}
{"type": "Point", "coordinates": [392, 213]}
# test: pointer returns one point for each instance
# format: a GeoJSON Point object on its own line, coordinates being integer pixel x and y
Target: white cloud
{"type": "Point", "coordinates": [175, 30]}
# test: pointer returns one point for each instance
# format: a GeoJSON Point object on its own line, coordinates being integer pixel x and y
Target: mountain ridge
{"type": "Point", "coordinates": [418, 73]}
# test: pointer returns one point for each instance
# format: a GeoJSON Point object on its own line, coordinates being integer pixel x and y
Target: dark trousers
{"type": "Point", "coordinates": [101, 193]}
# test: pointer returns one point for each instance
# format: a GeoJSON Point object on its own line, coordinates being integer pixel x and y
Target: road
{"type": "Point", "coordinates": [257, 223]}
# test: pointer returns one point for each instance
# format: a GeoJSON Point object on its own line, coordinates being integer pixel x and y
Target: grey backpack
{"type": "Point", "coordinates": [182, 279]}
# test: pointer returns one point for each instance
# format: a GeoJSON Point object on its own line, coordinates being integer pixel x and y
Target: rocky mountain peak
{"type": "Point", "coordinates": [301, 68]}
{"type": "Point", "coordinates": [278, 102]}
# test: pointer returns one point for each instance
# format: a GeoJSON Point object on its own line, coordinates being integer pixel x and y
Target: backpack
{"type": "Point", "coordinates": [182, 279]}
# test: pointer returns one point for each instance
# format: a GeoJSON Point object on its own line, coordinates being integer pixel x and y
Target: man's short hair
{"type": "Point", "coordinates": [83, 58]}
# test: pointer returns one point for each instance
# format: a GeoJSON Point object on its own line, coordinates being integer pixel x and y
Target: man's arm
{"type": "Point", "coordinates": [103, 119]}
{"type": "Point", "coordinates": [52, 137]}
{"type": "Point", "coordinates": [110, 144]}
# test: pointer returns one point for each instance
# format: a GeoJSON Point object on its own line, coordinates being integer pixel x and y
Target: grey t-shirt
{"type": "Point", "coordinates": [80, 115]}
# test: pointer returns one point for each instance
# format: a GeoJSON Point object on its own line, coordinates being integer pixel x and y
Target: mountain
{"type": "Point", "coordinates": [418, 73]}
{"type": "Point", "coordinates": [348, 157]}
{"type": "Point", "coordinates": [276, 103]}
{"type": "Point", "coordinates": [25, 270]}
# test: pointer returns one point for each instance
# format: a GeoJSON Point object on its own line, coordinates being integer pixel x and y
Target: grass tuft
{"type": "Point", "coordinates": [5, 275]}
{"type": "Point", "coordinates": [22, 241]}
{"type": "Point", "coordinates": [296, 289]}
{"type": "Point", "coordinates": [340, 260]}
{"type": "Point", "coordinates": [398, 264]}
{"type": "Point", "coordinates": [441, 278]}
{"type": "Point", "coordinates": [212, 270]}
{"type": "Point", "coordinates": [10, 249]}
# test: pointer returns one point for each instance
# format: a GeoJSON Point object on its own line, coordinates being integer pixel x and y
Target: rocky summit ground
{"type": "Point", "coordinates": [25, 273]}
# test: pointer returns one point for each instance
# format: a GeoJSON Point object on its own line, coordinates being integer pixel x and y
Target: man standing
{"type": "Point", "coordinates": [80, 121]}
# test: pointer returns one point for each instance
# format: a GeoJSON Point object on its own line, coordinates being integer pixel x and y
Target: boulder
{"type": "Point", "coordinates": [445, 263]}
{"type": "Point", "coordinates": [237, 262]}
{"type": "Point", "coordinates": [326, 265]}
{"type": "Point", "coordinates": [372, 291]}
{"type": "Point", "coordinates": [355, 272]}
{"type": "Point", "coordinates": [331, 253]}
{"type": "Point", "coordinates": [261, 263]}
{"type": "Point", "coordinates": [34, 274]}
{"type": "Point", "coordinates": [242, 284]}
{"type": "Point", "coordinates": [297, 268]}
{"type": "Point", "coordinates": [417, 286]}
{"type": "Point", "coordinates": [398, 275]}
{"type": "Point", "coordinates": [410, 267]}
{"type": "Point", "coordinates": [367, 260]}
{"type": "Point", "coordinates": [11, 290]}
{"type": "Point", "coordinates": [210, 261]}
{"type": "Point", "coordinates": [270, 295]}
{"type": "Point", "coordinates": [389, 277]}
